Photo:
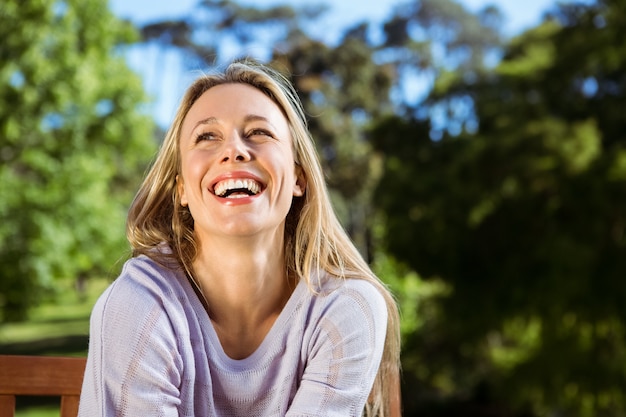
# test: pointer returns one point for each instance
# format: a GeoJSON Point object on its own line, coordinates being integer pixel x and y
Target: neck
{"type": "Point", "coordinates": [243, 280]}
{"type": "Point", "coordinates": [245, 285]}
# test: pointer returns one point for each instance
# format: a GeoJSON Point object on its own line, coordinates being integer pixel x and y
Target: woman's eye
{"type": "Point", "coordinates": [205, 136]}
{"type": "Point", "coordinates": [260, 132]}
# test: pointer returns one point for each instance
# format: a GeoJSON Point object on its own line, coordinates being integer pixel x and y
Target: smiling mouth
{"type": "Point", "coordinates": [237, 188]}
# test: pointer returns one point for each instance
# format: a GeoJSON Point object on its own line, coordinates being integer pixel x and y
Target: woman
{"type": "Point", "coordinates": [244, 296]}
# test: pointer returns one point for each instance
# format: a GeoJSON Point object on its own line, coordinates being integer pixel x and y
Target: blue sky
{"type": "Point", "coordinates": [519, 13]}
{"type": "Point", "coordinates": [161, 71]}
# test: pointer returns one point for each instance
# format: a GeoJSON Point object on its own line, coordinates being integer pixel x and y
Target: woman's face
{"type": "Point", "coordinates": [238, 174]}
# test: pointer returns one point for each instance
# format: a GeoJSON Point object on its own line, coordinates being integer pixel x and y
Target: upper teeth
{"type": "Point", "coordinates": [222, 187]}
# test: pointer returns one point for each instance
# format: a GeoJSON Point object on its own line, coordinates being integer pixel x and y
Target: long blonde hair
{"type": "Point", "coordinates": [314, 238]}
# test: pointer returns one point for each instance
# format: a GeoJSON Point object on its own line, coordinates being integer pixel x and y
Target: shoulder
{"type": "Point", "coordinates": [349, 301]}
{"type": "Point", "coordinates": [147, 305]}
{"type": "Point", "coordinates": [352, 290]}
{"type": "Point", "coordinates": [142, 287]}
{"type": "Point", "coordinates": [145, 275]}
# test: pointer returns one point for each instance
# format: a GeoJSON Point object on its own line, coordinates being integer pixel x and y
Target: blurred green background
{"type": "Point", "coordinates": [482, 175]}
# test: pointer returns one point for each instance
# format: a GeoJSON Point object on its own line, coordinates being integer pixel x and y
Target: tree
{"type": "Point", "coordinates": [522, 218]}
{"type": "Point", "coordinates": [73, 145]}
{"type": "Point", "coordinates": [427, 40]}
{"type": "Point", "coordinates": [218, 30]}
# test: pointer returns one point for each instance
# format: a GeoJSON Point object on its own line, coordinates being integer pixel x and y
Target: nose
{"type": "Point", "coordinates": [235, 149]}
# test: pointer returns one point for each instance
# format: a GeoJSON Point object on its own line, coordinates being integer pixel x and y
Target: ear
{"type": "Point", "coordinates": [300, 185]}
{"type": "Point", "coordinates": [180, 189]}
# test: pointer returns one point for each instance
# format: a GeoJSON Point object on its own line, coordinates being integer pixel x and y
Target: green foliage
{"type": "Point", "coordinates": [415, 295]}
{"type": "Point", "coordinates": [73, 145]}
{"type": "Point", "coordinates": [524, 222]}
{"type": "Point", "coordinates": [217, 29]}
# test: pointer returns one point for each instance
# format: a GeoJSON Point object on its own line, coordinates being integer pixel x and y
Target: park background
{"type": "Point", "coordinates": [479, 168]}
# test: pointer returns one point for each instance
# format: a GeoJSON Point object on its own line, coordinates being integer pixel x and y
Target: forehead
{"type": "Point", "coordinates": [232, 103]}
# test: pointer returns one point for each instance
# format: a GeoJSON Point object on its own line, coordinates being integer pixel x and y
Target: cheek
{"type": "Point", "coordinates": [194, 168]}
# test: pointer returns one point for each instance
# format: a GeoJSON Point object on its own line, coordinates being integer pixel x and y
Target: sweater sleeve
{"type": "Point", "coordinates": [133, 368]}
{"type": "Point", "coordinates": [344, 355]}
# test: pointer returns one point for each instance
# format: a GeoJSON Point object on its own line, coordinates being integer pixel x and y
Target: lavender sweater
{"type": "Point", "coordinates": [154, 352]}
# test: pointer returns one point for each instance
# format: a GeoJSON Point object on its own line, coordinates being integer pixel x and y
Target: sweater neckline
{"type": "Point", "coordinates": [254, 359]}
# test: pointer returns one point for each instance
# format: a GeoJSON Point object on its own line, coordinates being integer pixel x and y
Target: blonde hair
{"type": "Point", "coordinates": [314, 238]}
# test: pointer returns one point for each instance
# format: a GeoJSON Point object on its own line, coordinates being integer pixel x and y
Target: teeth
{"type": "Point", "coordinates": [222, 187]}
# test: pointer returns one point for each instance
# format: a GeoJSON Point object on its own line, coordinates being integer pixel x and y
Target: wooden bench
{"type": "Point", "coordinates": [41, 376]}
{"type": "Point", "coordinates": [62, 377]}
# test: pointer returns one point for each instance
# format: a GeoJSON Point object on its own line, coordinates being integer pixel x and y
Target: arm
{"type": "Point", "coordinates": [344, 355]}
{"type": "Point", "coordinates": [133, 366]}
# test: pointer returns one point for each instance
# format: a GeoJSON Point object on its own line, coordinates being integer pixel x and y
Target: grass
{"type": "Point", "coordinates": [47, 410]}
{"type": "Point", "coordinates": [54, 328]}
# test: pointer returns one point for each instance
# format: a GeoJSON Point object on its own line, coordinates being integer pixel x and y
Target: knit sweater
{"type": "Point", "coordinates": [153, 351]}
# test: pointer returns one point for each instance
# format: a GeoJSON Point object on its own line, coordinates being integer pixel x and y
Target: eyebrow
{"type": "Point", "coordinates": [207, 121]}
